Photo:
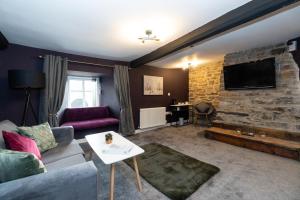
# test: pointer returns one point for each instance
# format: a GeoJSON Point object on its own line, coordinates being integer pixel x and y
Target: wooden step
{"type": "Point", "coordinates": [282, 134]}
{"type": "Point", "coordinates": [277, 146]}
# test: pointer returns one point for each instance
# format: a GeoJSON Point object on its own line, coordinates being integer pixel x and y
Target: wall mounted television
{"type": "Point", "coordinates": [253, 75]}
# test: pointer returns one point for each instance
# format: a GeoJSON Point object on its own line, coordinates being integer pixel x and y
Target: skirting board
{"type": "Point", "coordinates": [150, 129]}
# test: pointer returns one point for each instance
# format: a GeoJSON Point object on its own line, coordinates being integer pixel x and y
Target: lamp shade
{"type": "Point", "coordinates": [20, 79]}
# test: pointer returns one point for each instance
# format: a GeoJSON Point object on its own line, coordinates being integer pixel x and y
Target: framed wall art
{"type": "Point", "coordinates": [153, 85]}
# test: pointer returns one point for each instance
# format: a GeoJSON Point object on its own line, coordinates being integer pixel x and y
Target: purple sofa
{"type": "Point", "coordinates": [89, 120]}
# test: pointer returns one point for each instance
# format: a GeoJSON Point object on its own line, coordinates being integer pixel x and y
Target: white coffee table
{"type": "Point", "coordinates": [97, 142]}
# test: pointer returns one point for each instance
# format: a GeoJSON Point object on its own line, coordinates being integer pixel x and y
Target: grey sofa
{"type": "Point", "coordinates": [69, 176]}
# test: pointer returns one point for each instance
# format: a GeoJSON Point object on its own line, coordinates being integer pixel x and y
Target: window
{"type": "Point", "coordinates": [82, 92]}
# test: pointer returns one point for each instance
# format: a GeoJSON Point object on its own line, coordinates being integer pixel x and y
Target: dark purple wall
{"type": "Point", "coordinates": [12, 101]}
{"type": "Point", "coordinates": [175, 82]}
{"type": "Point", "coordinates": [109, 96]}
{"type": "Point", "coordinates": [21, 57]}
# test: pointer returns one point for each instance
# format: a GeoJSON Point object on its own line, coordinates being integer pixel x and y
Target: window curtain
{"type": "Point", "coordinates": [64, 104]}
{"type": "Point", "coordinates": [98, 92]}
{"type": "Point", "coordinates": [55, 69]}
{"type": "Point", "coordinates": [121, 83]}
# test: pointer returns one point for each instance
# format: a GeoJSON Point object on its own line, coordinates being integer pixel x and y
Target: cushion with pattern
{"type": "Point", "coordinates": [16, 164]}
{"type": "Point", "coordinates": [42, 134]}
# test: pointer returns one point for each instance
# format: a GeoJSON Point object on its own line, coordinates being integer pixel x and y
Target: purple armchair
{"type": "Point", "coordinates": [89, 120]}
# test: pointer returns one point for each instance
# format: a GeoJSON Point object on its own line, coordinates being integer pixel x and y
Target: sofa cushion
{"type": "Point", "coordinates": [65, 162]}
{"type": "Point", "coordinates": [42, 134]}
{"type": "Point", "coordinates": [82, 114]}
{"type": "Point", "coordinates": [93, 123]}
{"type": "Point", "coordinates": [18, 142]}
{"type": "Point", "coordinates": [6, 125]}
{"type": "Point", "coordinates": [15, 165]}
{"type": "Point", "coordinates": [61, 152]}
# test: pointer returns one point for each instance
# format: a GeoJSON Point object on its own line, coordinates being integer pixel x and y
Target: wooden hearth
{"type": "Point", "coordinates": [282, 143]}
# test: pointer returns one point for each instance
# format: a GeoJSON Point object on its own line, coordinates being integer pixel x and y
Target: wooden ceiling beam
{"type": "Point", "coordinates": [241, 15]}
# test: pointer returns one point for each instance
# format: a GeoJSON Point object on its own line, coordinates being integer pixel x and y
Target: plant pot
{"type": "Point", "coordinates": [108, 141]}
{"type": "Point", "coordinates": [108, 138]}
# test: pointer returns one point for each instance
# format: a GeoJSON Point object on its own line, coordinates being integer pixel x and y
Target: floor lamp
{"type": "Point", "coordinates": [26, 80]}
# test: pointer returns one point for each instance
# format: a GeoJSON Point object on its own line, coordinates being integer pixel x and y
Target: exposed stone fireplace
{"type": "Point", "coordinates": [272, 108]}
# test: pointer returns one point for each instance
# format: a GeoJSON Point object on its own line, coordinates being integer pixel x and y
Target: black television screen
{"type": "Point", "coordinates": [252, 75]}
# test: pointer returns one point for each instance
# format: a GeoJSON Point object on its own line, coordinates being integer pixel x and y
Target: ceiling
{"type": "Point", "coordinates": [274, 29]}
{"type": "Point", "coordinates": [109, 29]}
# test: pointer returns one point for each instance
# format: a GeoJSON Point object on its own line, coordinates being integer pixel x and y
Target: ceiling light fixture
{"type": "Point", "coordinates": [189, 65]}
{"type": "Point", "coordinates": [149, 37]}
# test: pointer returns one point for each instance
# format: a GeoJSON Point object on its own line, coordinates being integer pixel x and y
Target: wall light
{"type": "Point", "coordinates": [188, 66]}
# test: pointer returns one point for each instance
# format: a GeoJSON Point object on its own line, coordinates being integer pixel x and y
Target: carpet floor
{"type": "Point", "coordinates": [245, 174]}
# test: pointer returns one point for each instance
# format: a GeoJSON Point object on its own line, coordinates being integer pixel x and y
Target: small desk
{"type": "Point", "coordinates": [180, 111]}
{"type": "Point", "coordinates": [97, 142]}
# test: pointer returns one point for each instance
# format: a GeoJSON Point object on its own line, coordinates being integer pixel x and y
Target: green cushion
{"type": "Point", "coordinates": [15, 165]}
{"type": "Point", "coordinates": [42, 134]}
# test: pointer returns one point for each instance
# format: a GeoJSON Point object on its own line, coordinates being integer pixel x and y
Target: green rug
{"type": "Point", "coordinates": [171, 172]}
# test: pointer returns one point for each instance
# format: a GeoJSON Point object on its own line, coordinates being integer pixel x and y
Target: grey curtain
{"type": "Point", "coordinates": [121, 83]}
{"type": "Point", "coordinates": [55, 69]}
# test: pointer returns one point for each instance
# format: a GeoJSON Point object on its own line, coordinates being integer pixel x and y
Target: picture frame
{"type": "Point", "coordinates": [153, 85]}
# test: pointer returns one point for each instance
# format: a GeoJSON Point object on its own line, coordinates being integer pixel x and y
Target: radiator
{"type": "Point", "coordinates": [151, 117]}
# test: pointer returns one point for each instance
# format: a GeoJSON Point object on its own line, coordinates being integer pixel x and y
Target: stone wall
{"type": "Point", "coordinates": [272, 108]}
{"type": "Point", "coordinates": [204, 83]}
